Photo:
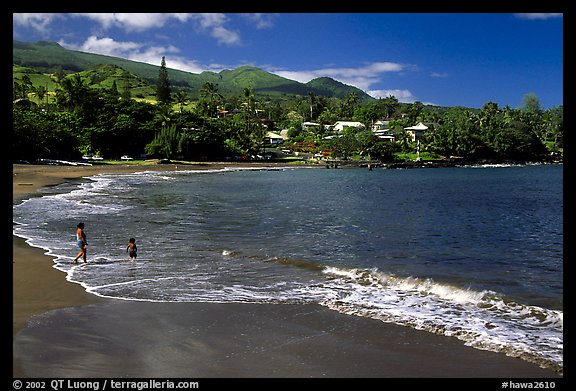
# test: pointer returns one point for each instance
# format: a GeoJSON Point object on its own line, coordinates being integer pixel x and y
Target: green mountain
{"type": "Point", "coordinates": [43, 58]}
{"type": "Point", "coordinates": [327, 86]}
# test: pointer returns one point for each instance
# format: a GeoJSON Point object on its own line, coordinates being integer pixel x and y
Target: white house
{"type": "Point", "coordinates": [380, 129]}
{"type": "Point", "coordinates": [416, 130]}
{"type": "Point", "coordinates": [308, 125]}
{"type": "Point", "coordinates": [385, 135]}
{"type": "Point", "coordinates": [380, 125]}
{"type": "Point", "coordinates": [340, 125]}
{"type": "Point", "coordinates": [274, 138]}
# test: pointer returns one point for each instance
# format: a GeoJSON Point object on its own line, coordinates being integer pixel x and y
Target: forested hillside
{"type": "Point", "coordinates": [68, 104]}
{"type": "Point", "coordinates": [50, 58]}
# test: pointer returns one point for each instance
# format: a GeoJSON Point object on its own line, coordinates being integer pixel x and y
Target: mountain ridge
{"type": "Point", "coordinates": [50, 57]}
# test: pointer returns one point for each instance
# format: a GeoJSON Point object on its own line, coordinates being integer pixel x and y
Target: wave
{"type": "Point", "coordinates": [483, 320]}
{"type": "Point", "coordinates": [504, 165]}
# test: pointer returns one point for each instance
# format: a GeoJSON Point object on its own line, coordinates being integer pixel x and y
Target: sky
{"type": "Point", "coordinates": [444, 59]}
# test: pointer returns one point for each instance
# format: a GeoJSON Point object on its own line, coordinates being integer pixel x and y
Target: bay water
{"type": "Point", "coordinates": [474, 253]}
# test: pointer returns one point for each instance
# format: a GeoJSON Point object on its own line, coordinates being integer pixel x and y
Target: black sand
{"type": "Point", "coordinates": [202, 340]}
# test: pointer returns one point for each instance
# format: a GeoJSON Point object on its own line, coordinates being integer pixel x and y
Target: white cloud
{"type": "Point", "coordinates": [404, 96]}
{"type": "Point", "coordinates": [362, 77]}
{"type": "Point", "coordinates": [300, 76]}
{"type": "Point", "coordinates": [39, 22]}
{"type": "Point", "coordinates": [439, 74]}
{"type": "Point", "coordinates": [106, 46]}
{"type": "Point", "coordinates": [261, 21]}
{"type": "Point", "coordinates": [134, 22]}
{"type": "Point", "coordinates": [225, 36]}
{"type": "Point", "coordinates": [214, 24]}
{"type": "Point", "coordinates": [137, 52]}
{"type": "Point", "coordinates": [539, 16]}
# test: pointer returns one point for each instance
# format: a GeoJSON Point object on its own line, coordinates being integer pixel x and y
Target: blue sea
{"type": "Point", "coordinates": [473, 253]}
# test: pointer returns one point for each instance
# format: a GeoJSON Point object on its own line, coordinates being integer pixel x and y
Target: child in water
{"type": "Point", "coordinates": [131, 249]}
{"type": "Point", "coordinates": [82, 243]}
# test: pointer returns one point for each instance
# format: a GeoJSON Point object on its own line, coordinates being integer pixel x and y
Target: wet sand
{"type": "Point", "coordinates": [59, 330]}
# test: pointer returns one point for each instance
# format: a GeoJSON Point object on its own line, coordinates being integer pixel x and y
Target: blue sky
{"type": "Point", "coordinates": [446, 59]}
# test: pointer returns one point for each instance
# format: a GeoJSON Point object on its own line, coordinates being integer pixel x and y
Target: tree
{"type": "Point", "coordinates": [554, 122]}
{"type": "Point", "coordinates": [181, 99]}
{"type": "Point", "coordinates": [41, 92]}
{"type": "Point", "coordinates": [490, 120]}
{"type": "Point", "coordinates": [457, 135]}
{"type": "Point", "coordinates": [345, 145]}
{"type": "Point", "coordinates": [163, 88]}
{"type": "Point", "coordinates": [210, 92]}
{"type": "Point", "coordinates": [312, 102]}
{"type": "Point", "coordinates": [44, 135]}
{"type": "Point", "coordinates": [26, 86]}
{"type": "Point", "coordinates": [75, 95]}
{"type": "Point", "coordinates": [349, 105]}
{"type": "Point", "coordinates": [532, 103]}
{"type": "Point", "coordinates": [126, 94]}
{"type": "Point", "coordinates": [518, 141]}
{"type": "Point", "coordinates": [367, 142]}
{"type": "Point", "coordinates": [114, 90]}
{"type": "Point", "coordinates": [367, 114]}
{"type": "Point", "coordinates": [167, 142]}
{"type": "Point", "coordinates": [389, 106]}
{"type": "Point", "coordinates": [413, 110]}
{"type": "Point", "coordinates": [248, 95]}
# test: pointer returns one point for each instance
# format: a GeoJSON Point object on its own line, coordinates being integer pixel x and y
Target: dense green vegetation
{"type": "Point", "coordinates": [110, 111]}
{"type": "Point", "coordinates": [51, 58]}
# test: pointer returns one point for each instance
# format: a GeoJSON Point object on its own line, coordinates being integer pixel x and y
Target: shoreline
{"type": "Point", "coordinates": [27, 179]}
{"type": "Point", "coordinates": [38, 288]}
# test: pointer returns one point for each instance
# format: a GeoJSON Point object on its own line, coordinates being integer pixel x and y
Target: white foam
{"type": "Point", "coordinates": [481, 319]}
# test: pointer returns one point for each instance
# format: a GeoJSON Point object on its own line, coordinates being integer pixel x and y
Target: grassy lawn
{"type": "Point", "coordinates": [414, 156]}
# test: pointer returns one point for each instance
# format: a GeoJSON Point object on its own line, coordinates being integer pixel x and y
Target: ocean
{"type": "Point", "coordinates": [473, 253]}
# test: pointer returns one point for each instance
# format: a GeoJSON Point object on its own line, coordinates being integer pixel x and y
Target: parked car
{"type": "Point", "coordinates": [125, 157]}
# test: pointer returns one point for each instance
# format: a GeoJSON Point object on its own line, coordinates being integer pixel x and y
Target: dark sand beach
{"type": "Point", "coordinates": [61, 331]}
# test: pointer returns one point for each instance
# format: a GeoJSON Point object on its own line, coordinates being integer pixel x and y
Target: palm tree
{"type": "Point", "coordinates": [164, 116]}
{"type": "Point", "coordinates": [351, 102]}
{"type": "Point", "coordinates": [390, 105]}
{"type": "Point", "coordinates": [73, 92]}
{"type": "Point", "coordinates": [181, 98]}
{"type": "Point", "coordinates": [26, 86]}
{"type": "Point", "coordinates": [248, 95]}
{"type": "Point", "coordinates": [312, 100]}
{"type": "Point", "coordinates": [405, 140]}
{"type": "Point", "coordinates": [41, 92]}
{"type": "Point", "coordinates": [210, 92]}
